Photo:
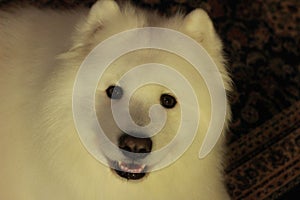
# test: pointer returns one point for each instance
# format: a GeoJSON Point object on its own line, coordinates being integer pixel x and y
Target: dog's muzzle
{"type": "Point", "coordinates": [134, 149]}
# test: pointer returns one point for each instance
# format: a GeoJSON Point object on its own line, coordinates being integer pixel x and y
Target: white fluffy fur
{"type": "Point", "coordinates": [41, 154]}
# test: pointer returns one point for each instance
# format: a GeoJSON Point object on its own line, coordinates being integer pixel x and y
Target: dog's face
{"type": "Point", "coordinates": [110, 91]}
{"type": "Point", "coordinates": [141, 101]}
{"type": "Point", "coordinates": [97, 28]}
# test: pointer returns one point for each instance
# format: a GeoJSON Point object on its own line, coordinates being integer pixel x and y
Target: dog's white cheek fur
{"type": "Point", "coordinates": [41, 153]}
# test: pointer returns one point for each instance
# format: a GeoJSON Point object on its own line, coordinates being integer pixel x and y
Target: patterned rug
{"type": "Point", "coordinates": [262, 40]}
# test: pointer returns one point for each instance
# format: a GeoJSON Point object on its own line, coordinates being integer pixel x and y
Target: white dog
{"type": "Point", "coordinates": [42, 156]}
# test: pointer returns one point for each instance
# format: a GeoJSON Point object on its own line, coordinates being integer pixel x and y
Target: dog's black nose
{"type": "Point", "coordinates": [140, 146]}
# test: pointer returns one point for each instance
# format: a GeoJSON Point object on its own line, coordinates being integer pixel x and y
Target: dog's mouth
{"type": "Point", "coordinates": [129, 171]}
{"type": "Point", "coordinates": [134, 150]}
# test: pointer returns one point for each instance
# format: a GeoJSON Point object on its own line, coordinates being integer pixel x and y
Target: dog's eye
{"type": "Point", "coordinates": [114, 92]}
{"type": "Point", "coordinates": [167, 101]}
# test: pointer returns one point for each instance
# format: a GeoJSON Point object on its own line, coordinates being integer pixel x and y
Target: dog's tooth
{"type": "Point", "coordinates": [120, 163]}
{"type": "Point", "coordinates": [124, 167]}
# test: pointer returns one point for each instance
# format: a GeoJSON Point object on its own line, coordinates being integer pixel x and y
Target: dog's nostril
{"type": "Point", "coordinates": [143, 151]}
{"type": "Point", "coordinates": [136, 145]}
{"type": "Point", "coordinates": [126, 148]}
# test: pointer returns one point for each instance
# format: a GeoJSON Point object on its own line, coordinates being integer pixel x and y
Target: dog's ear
{"type": "Point", "coordinates": [103, 10]}
{"type": "Point", "coordinates": [98, 16]}
{"type": "Point", "coordinates": [198, 26]}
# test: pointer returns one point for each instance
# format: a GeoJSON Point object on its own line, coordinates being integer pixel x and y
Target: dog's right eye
{"type": "Point", "coordinates": [114, 92]}
{"type": "Point", "coordinates": [167, 101]}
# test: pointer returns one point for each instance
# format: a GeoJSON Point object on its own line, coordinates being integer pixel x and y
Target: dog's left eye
{"type": "Point", "coordinates": [167, 101]}
{"type": "Point", "coordinates": [114, 92]}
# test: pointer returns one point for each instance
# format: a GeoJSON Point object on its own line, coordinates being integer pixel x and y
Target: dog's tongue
{"type": "Point", "coordinates": [131, 167]}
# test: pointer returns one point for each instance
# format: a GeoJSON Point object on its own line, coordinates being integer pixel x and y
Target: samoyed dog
{"type": "Point", "coordinates": [43, 156]}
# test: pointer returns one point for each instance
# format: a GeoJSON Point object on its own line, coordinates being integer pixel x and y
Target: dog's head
{"type": "Point", "coordinates": [105, 19]}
